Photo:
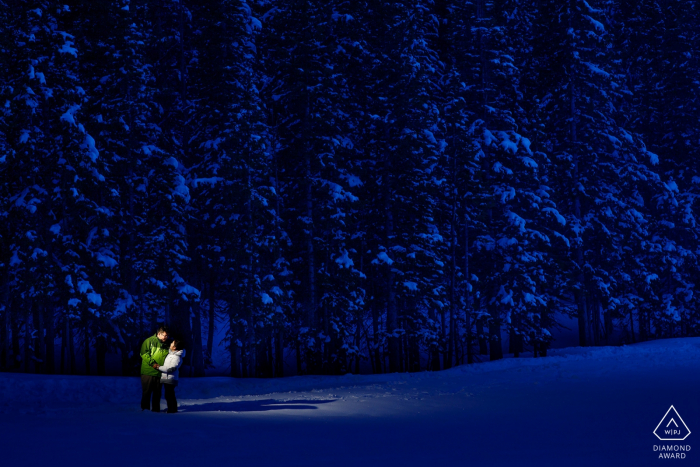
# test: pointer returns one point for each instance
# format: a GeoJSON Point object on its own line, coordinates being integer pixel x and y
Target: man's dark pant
{"type": "Point", "coordinates": [150, 389]}
{"type": "Point", "coordinates": [170, 397]}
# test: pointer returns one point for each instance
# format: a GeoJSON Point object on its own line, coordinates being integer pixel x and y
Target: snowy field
{"type": "Point", "coordinates": [578, 407]}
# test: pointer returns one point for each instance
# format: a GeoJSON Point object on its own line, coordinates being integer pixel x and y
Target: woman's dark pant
{"type": "Point", "coordinates": [170, 397]}
{"type": "Point", "coordinates": [150, 392]}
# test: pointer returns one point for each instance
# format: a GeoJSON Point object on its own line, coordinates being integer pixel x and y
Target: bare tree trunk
{"type": "Point", "coordinates": [279, 352]}
{"type": "Point", "coordinates": [391, 312]}
{"type": "Point", "coordinates": [86, 342]}
{"type": "Point", "coordinates": [50, 338]}
{"type": "Point", "coordinates": [197, 356]}
{"type": "Point", "coordinates": [64, 344]}
{"type": "Point", "coordinates": [27, 343]}
{"type": "Point", "coordinates": [583, 324]}
{"type": "Point", "coordinates": [495, 341]}
{"type": "Point", "coordinates": [467, 279]}
{"type": "Point", "coordinates": [212, 318]}
{"type": "Point", "coordinates": [234, 350]}
{"type": "Point", "coordinates": [40, 341]}
{"type": "Point", "coordinates": [434, 364]}
{"type": "Point", "coordinates": [101, 355]}
{"type": "Point", "coordinates": [582, 306]}
{"type": "Point", "coordinates": [251, 337]}
{"type": "Point", "coordinates": [70, 348]}
{"type": "Point", "coordinates": [483, 342]}
{"type": "Point", "coordinates": [5, 336]}
{"type": "Point", "coordinates": [375, 338]}
{"type": "Point", "coordinates": [632, 328]}
{"type": "Point", "coordinates": [311, 318]}
{"type": "Point", "coordinates": [16, 330]}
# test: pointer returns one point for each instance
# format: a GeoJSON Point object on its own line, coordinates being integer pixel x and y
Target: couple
{"type": "Point", "coordinates": [160, 362]}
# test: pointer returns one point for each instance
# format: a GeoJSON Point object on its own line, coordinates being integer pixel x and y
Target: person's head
{"type": "Point", "coordinates": [177, 344]}
{"type": "Point", "coordinates": [163, 333]}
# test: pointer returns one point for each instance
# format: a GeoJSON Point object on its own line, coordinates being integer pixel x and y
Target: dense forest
{"type": "Point", "coordinates": [401, 184]}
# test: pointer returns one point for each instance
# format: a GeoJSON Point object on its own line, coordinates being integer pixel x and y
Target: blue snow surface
{"type": "Point", "coordinates": [577, 407]}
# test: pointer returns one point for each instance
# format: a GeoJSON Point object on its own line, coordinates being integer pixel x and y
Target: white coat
{"type": "Point", "coordinates": [169, 368]}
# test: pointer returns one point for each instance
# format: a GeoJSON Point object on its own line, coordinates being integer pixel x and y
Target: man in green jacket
{"type": "Point", "coordinates": [153, 353]}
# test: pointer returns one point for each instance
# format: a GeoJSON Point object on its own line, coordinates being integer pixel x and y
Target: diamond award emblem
{"type": "Point", "coordinates": [672, 427]}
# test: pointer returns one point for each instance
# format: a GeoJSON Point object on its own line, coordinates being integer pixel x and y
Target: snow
{"type": "Point", "coordinates": [107, 261]}
{"type": "Point", "coordinates": [187, 291]}
{"type": "Point", "coordinates": [595, 69]}
{"type": "Point", "coordinates": [181, 189]}
{"type": "Point", "coordinates": [576, 407]}
{"type": "Point", "coordinates": [208, 180]}
{"type": "Point", "coordinates": [95, 299]}
{"type": "Point", "coordinates": [384, 258]}
{"type": "Point", "coordinates": [83, 286]}
{"type": "Point", "coordinates": [69, 115]}
{"type": "Point", "coordinates": [653, 158]}
{"type": "Point", "coordinates": [92, 150]}
{"type": "Point", "coordinates": [596, 24]}
{"type": "Point", "coordinates": [14, 260]}
{"type": "Point", "coordinates": [556, 214]}
{"type": "Point", "coordinates": [344, 260]}
{"type": "Point", "coordinates": [671, 186]}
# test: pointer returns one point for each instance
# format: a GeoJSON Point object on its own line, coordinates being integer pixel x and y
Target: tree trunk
{"type": "Point", "coordinates": [483, 342]}
{"type": "Point", "coordinates": [40, 341]}
{"type": "Point", "coordinates": [70, 348]}
{"type": "Point", "coordinates": [212, 318]}
{"type": "Point", "coordinates": [197, 354]}
{"type": "Point", "coordinates": [495, 341]}
{"type": "Point", "coordinates": [582, 316]}
{"type": "Point", "coordinates": [181, 327]}
{"type": "Point", "coordinates": [5, 336]}
{"type": "Point", "coordinates": [27, 343]}
{"type": "Point", "coordinates": [391, 312]}
{"type": "Point", "coordinates": [632, 328]}
{"type": "Point", "coordinates": [467, 292]}
{"type": "Point", "coordinates": [311, 319]}
{"type": "Point", "coordinates": [86, 342]}
{"type": "Point", "coordinates": [375, 339]}
{"type": "Point", "coordinates": [434, 359]}
{"type": "Point", "coordinates": [101, 354]}
{"type": "Point", "coordinates": [64, 343]}
{"type": "Point", "coordinates": [50, 366]}
{"type": "Point", "coordinates": [233, 343]}
{"type": "Point", "coordinates": [583, 325]}
{"type": "Point", "coordinates": [279, 352]}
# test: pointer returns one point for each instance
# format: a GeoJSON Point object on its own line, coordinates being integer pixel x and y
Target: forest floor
{"type": "Point", "coordinates": [577, 407]}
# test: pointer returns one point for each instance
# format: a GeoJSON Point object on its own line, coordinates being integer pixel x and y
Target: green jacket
{"type": "Point", "coordinates": [153, 351]}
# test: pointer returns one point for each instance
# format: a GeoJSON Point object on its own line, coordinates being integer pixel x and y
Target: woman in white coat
{"type": "Point", "coordinates": [169, 370]}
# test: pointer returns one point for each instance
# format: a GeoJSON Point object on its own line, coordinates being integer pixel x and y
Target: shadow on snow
{"type": "Point", "coordinates": [254, 406]}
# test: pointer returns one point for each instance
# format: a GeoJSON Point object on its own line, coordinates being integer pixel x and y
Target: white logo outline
{"type": "Point", "coordinates": [662, 419]}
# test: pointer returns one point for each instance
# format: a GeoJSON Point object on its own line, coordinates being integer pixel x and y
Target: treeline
{"type": "Point", "coordinates": [344, 180]}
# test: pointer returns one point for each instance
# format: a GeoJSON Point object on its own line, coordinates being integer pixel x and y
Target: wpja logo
{"type": "Point", "coordinates": [672, 428]}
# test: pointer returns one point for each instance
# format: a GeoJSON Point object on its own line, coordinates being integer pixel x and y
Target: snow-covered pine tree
{"type": "Point", "coordinates": [306, 95]}
{"type": "Point", "coordinates": [61, 193]}
{"type": "Point", "coordinates": [124, 119]}
{"type": "Point", "coordinates": [237, 225]}
{"type": "Point", "coordinates": [7, 36]}
{"type": "Point", "coordinates": [657, 44]}
{"type": "Point", "coordinates": [599, 164]}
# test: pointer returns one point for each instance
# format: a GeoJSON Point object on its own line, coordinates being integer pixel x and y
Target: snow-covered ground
{"type": "Point", "coordinates": [576, 407]}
